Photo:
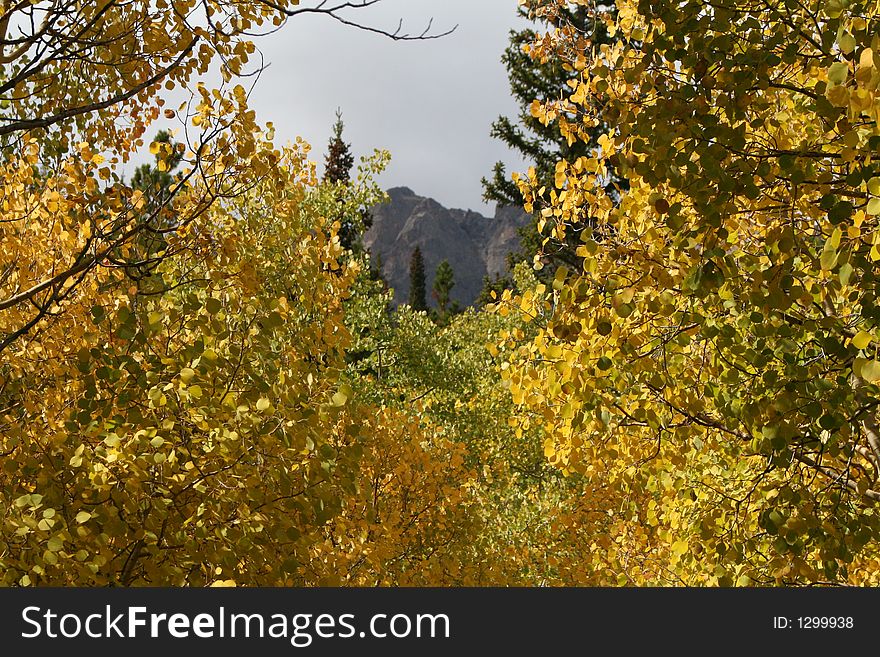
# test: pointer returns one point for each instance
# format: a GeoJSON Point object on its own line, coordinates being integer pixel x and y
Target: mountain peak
{"type": "Point", "coordinates": [400, 191]}
{"type": "Point", "coordinates": [476, 246]}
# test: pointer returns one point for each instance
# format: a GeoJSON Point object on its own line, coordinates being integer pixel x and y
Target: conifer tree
{"type": "Point", "coordinates": [337, 170]}
{"type": "Point", "coordinates": [157, 182]}
{"type": "Point", "coordinates": [376, 265]}
{"type": "Point", "coordinates": [339, 160]}
{"type": "Point", "coordinates": [444, 281]}
{"type": "Point", "coordinates": [417, 299]}
{"type": "Point", "coordinates": [542, 146]}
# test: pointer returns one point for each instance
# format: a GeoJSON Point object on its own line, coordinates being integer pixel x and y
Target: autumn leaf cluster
{"type": "Point", "coordinates": [714, 363]}
{"type": "Point", "coordinates": [201, 384]}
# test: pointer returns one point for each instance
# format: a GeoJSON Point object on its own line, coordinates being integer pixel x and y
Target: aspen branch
{"type": "Point", "coordinates": [30, 124]}
{"type": "Point", "coordinates": [334, 12]}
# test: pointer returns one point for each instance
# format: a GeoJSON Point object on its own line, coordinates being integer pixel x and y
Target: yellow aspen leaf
{"type": "Point", "coordinates": [838, 72]}
{"type": "Point", "coordinates": [861, 340]}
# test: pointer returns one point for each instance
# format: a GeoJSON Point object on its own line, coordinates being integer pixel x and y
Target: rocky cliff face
{"type": "Point", "coordinates": [475, 246]}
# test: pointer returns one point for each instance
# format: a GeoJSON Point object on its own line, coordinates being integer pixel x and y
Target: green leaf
{"type": "Point", "coordinates": [263, 404]}
{"type": "Point", "coordinates": [828, 259]}
{"type": "Point", "coordinates": [341, 396]}
{"type": "Point", "coordinates": [213, 305]}
{"type": "Point", "coordinates": [874, 206]}
{"type": "Point", "coordinates": [840, 212]}
{"type": "Point", "coordinates": [847, 43]}
{"type": "Point", "coordinates": [273, 320]}
{"type": "Point", "coordinates": [838, 72]}
{"type": "Point", "coordinates": [834, 8]}
{"type": "Point", "coordinates": [83, 516]}
{"type": "Point", "coordinates": [624, 310]}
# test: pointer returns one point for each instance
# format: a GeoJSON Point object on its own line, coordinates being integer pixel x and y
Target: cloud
{"type": "Point", "coordinates": [430, 103]}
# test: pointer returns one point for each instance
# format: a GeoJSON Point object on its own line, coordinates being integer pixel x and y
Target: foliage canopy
{"type": "Point", "coordinates": [714, 362]}
{"type": "Point", "coordinates": [202, 381]}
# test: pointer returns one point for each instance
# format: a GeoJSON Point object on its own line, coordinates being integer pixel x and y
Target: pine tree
{"type": "Point", "coordinates": [417, 299]}
{"type": "Point", "coordinates": [154, 181]}
{"type": "Point", "coordinates": [375, 272]}
{"type": "Point", "coordinates": [337, 171]}
{"type": "Point", "coordinates": [157, 182]}
{"type": "Point", "coordinates": [542, 146]}
{"type": "Point", "coordinates": [339, 160]}
{"type": "Point", "coordinates": [444, 281]}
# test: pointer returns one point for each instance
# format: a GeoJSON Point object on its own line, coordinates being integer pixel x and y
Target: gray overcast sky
{"type": "Point", "coordinates": [430, 103]}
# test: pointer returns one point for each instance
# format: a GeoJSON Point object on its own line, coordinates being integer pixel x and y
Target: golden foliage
{"type": "Point", "coordinates": [712, 365]}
